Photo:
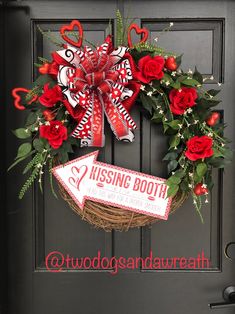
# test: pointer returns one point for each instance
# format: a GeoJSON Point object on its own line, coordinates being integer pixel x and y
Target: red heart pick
{"type": "Point", "coordinates": [213, 119]}
{"type": "Point", "coordinates": [71, 27]}
{"type": "Point", "coordinates": [139, 31]}
{"type": "Point", "coordinates": [44, 68]}
{"type": "Point", "coordinates": [17, 98]}
{"type": "Point", "coordinates": [199, 189]}
{"type": "Point", "coordinates": [171, 64]}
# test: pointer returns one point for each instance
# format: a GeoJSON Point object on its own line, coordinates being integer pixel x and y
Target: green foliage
{"type": "Point", "coordinates": [119, 29]}
{"type": "Point", "coordinates": [190, 82]}
{"type": "Point", "coordinates": [172, 190]}
{"type": "Point", "coordinates": [201, 169]}
{"type": "Point", "coordinates": [40, 144]}
{"type": "Point", "coordinates": [33, 162]}
{"type": "Point", "coordinates": [23, 150]}
{"type": "Point", "coordinates": [174, 141]}
{"type": "Point", "coordinates": [50, 166]}
{"type": "Point", "coordinates": [22, 133]}
{"type": "Point", "coordinates": [51, 37]}
{"type": "Point", "coordinates": [18, 160]}
{"type": "Point", "coordinates": [197, 76]}
{"type": "Point", "coordinates": [35, 91]}
{"type": "Point", "coordinates": [29, 182]}
{"type": "Point", "coordinates": [147, 102]}
{"type": "Point", "coordinates": [172, 165]}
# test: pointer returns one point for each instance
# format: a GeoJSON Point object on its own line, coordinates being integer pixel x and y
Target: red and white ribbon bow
{"type": "Point", "coordinates": [98, 81]}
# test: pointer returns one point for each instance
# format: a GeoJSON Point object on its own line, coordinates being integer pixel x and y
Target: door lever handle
{"type": "Point", "coordinates": [229, 299]}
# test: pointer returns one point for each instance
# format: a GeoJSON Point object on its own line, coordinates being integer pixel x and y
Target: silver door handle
{"type": "Point", "coordinates": [229, 299]}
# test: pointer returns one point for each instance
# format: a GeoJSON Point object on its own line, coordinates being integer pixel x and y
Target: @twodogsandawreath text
{"type": "Point", "coordinates": [57, 261]}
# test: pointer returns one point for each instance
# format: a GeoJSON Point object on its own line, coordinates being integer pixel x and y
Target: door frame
{"type": "Point", "coordinates": [3, 178]}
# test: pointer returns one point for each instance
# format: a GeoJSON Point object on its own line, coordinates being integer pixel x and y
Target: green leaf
{"type": "Point", "coordinates": [63, 156]}
{"type": "Point", "coordinates": [166, 78]}
{"type": "Point", "coordinates": [176, 85]}
{"type": "Point", "coordinates": [174, 141]}
{"type": "Point", "coordinates": [217, 153]}
{"type": "Point", "coordinates": [39, 144]}
{"type": "Point", "coordinates": [228, 154]}
{"type": "Point", "coordinates": [172, 190]}
{"type": "Point", "coordinates": [219, 162]}
{"type": "Point", "coordinates": [32, 118]}
{"type": "Point", "coordinates": [23, 150]}
{"type": "Point", "coordinates": [147, 102]}
{"type": "Point", "coordinates": [178, 60]}
{"type": "Point", "coordinates": [197, 76]}
{"type": "Point", "coordinates": [184, 185]}
{"type": "Point", "coordinates": [179, 173]}
{"type": "Point", "coordinates": [190, 82]}
{"type": "Point", "coordinates": [207, 103]}
{"type": "Point", "coordinates": [165, 126]}
{"type": "Point", "coordinates": [172, 165]}
{"type": "Point", "coordinates": [156, 84]}
{"type": "Point", "coordinates": [182, 78]}
{"type": "Point", "coordinates": [201, 169]}
{"type": "Point", "coordinates": [170, 156]}
{"type": "Point", "coordinates": [213, 92]}
{"type": "Point", "coordinates": [174, 124]}
{"type": "Point", "coordinates": [173, 180]}
{"type": "Point", "coordinates": [157, 117]}
{"type": "Point", "coordinates": [42, 80]}
{"type": "Point", "coordinates": [67, 147]}
{"type": "Point", "coordinates": [37, 65]}
{"type": "Point", "coordinates": [22, 133]}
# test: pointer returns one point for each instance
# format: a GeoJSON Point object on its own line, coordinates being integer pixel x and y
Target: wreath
{"type": "Point", "coordinates": [83, 84]}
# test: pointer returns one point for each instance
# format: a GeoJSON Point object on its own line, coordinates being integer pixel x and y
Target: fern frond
{"type": "Point", "coordinates": [29, 182]}
{"type": "Point", "coordinates": [43, 60]}
{"type": "Point", "coordinates": [33, 92]}
{"type": "Point", "coordinates": [48, 34]}
{"type": "Point", "coordinates": [51, 177]}
{"type": "Point", "coordinates": [34, 161]}
{"type": "Point", "coordinates": [119, 29]}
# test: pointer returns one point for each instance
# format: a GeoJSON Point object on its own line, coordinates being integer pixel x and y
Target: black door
{"type": "Point", "coordinates": [40, 224]}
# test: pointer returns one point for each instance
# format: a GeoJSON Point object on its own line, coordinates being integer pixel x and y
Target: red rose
{"type": "Point", "coordinates": [51, 96]}
{"type": "Point", "coordinates": [53, 68]}
{"type": "Point", "coordinates": [182, 99]}
{"type": "Point", "coordinates": [55, 132]}
{"type": "Point", "coordinates": [199, 147]}
{"type": "Point", "coordinates": [151, 68]}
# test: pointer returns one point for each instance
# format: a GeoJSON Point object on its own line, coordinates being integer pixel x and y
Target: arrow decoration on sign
{"type": "Point", "coordinates": [86, 178]}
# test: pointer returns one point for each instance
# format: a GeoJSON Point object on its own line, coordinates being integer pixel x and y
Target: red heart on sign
{"type": "Point", "coordinates": [139, 31]}
{"type": "Point", "coordinates": [79, 174]}
{"type": "Point", "coordinates": [17, 97]}
{"type": "Point", "coordinates": [71, 27]}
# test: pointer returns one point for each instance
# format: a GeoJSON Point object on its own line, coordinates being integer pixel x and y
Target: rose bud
{"type": "Point", "coordinates": [48, 115]}
{"type": "Point", "coordinates": [213, 119]}
{"type": "Point", "coordinates": [171, 64]}
{"type": "Point", "coordinates": [199, 189]}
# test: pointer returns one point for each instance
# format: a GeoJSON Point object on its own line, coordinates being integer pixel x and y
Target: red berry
{"type": "Point", "coordinates": [199, 189]}
{"type": "Point", "coordinates": [48, 115]}
{"type": "Point", "coordinates": [213, 119]}
{"type": "Point", "coordinates": [171, 64]}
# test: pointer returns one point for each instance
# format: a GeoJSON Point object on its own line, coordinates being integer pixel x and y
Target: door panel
{"type": "Point", "coordinates": [56, 227]}
{"type": "Point", "coordinates": [39, 224]}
